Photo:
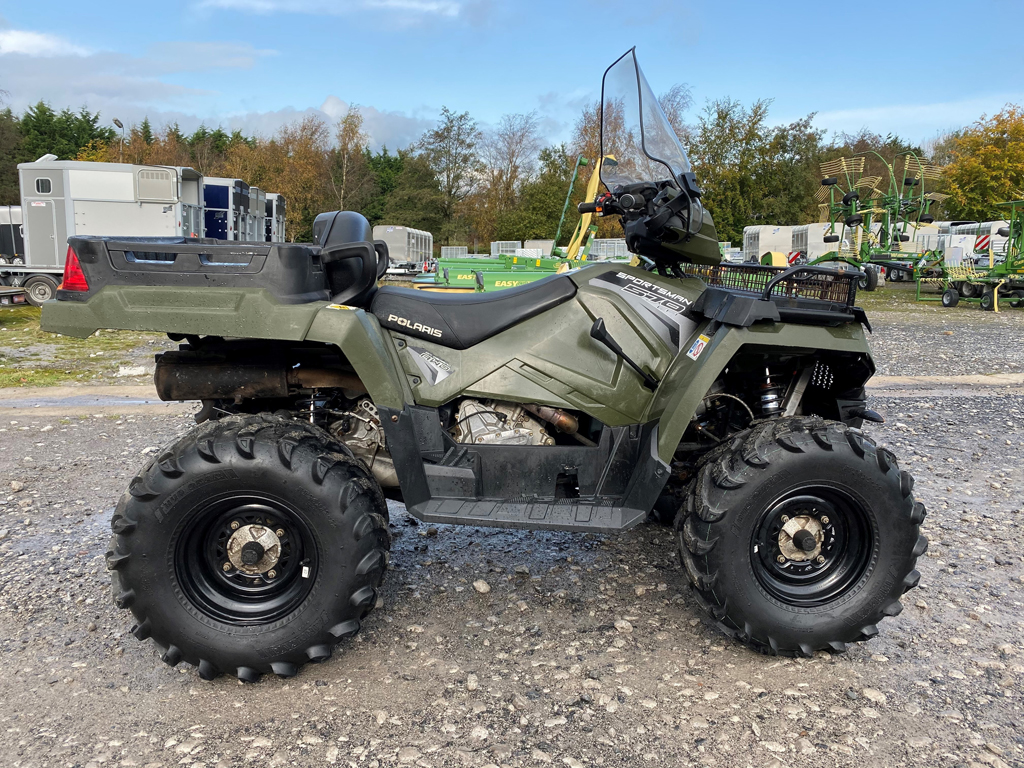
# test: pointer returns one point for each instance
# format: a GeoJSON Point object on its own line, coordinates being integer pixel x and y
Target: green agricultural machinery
{"type": "Point", "coordinates": [872, 219]}
{"type": "Point", "coordinates": [984, 280]}
{"type": "Point", "coordinates": [490, 274]}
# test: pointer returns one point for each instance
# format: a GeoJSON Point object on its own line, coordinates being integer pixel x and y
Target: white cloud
{"type": "Point", "coordinates": [445, 8]}
{"type": "Point", "coordinates": [21, 41]}
{"type": "Point", "coordinates": [187, 56]}
{"type": "Point", "coordinates": [395, 130]}
{"type": "Point", "coordinates": [39, 66]}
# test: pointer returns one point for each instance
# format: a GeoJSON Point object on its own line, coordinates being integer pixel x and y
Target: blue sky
{"type": "Point", "coordinates": [257, 64]}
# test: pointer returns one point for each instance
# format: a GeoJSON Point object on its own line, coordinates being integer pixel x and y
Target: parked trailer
{"type": "Point", "coordinates": [227, 208]}
{"type": "Point", "coordinates": [274, 221]}
{"type": "Point", "coordinates": [255, 227]}
{"type": "Point", "coordinates": [12, 297]}
{"type": "Point", "coordinates": [409, 249]}
{"type": "Point", "coordinates": [808, 242]}
{"type": "Point", "coordinates": [12, 236]}
{"type": "Point", "coordinates": [762, 239]}
{"type": "Point", "coordinates": [987, 237]}
{"type": "Point", "coordinates": [65, 198]}
{"type": "Point", "coordinates": [454, 251]}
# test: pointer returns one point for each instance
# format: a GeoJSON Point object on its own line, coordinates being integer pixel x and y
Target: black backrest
{"type": "Point", "coordinates": [350, 257]}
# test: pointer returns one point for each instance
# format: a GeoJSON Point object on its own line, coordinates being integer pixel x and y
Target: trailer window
{"type": "Point", "coordinates": [43, 186]}
{"type": "Point", "coordinates": [157, 184]}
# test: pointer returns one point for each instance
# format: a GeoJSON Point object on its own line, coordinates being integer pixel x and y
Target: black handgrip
{"type": "Point", "coordinates": [588, 207]}
{"type": "Point", "coordinates": [383, 257]}
{"type": "Point", "coordinates": [346, 284]}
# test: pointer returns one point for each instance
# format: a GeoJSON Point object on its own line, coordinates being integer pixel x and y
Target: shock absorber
{"type": "Point", "coordinates": [770, 394]}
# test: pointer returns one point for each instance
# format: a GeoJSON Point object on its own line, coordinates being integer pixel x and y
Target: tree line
{"type": "Point", "coordinates": [470, 186]}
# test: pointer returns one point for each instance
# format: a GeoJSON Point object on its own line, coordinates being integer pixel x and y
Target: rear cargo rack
{"type": "Point", "coordinates": [292, 273]}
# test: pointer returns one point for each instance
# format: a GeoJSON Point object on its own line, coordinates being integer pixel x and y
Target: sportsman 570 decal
{"type": "Point", "coordinates": [663, 310]}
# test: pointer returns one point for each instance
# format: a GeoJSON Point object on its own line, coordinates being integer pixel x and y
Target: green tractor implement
{"type": "Point", "coordinates": [987, 278]}
{"type": "Point", "coordinates": [875, 217]}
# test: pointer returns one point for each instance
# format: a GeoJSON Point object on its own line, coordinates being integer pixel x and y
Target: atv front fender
{"type": "Point", "coordinates": [368, 350]}
{"type": "Point", "coordinates": [688, 381]}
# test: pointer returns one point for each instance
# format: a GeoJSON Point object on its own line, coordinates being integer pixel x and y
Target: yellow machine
{"type": "Point", "coordinates": [583, 235]}
{"type": "Point", "coordinates": [775, 259]}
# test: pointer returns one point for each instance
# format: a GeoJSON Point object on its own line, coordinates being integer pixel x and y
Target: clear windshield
{"type": "Point", "coordinates": [635, 132]}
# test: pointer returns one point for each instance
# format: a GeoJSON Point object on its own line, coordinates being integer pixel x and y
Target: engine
{"type": "Point", "coordinates": [359, 428]}
{"type": "Point", "coordinates": [492, 422]}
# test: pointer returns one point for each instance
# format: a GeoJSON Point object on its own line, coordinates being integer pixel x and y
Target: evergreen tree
{"type": "Point", "coordinates": [10, 151]}
{"type": "Point", "coordinates": [63, 134]}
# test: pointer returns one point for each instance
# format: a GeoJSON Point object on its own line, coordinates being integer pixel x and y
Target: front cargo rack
{"type": "Point", "coordinates": [799, 286]}
{"type": "Point", "coordinates": [802, 294]}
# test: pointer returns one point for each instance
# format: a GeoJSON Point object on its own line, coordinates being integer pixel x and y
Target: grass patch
{"type": "Point", "coordinates": [49, 359]}
{"type": "Point", "coordinates": [894, 297]}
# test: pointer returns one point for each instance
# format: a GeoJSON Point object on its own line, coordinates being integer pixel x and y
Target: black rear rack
{"type": "Point", "coordinates": [807, 294]}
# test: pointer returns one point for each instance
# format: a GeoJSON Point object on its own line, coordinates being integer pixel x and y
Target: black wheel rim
{"type": "Point", "coordinates": [228, 594]}
{"type": "Point", "coordinates": [837, 563]}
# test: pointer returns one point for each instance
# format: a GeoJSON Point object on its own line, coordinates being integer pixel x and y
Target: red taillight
{"type": "Point", "coordinates": [74, 277]}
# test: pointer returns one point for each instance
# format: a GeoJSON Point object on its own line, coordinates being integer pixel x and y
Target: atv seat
{"type": "Point", "coordinates": [460, 320]}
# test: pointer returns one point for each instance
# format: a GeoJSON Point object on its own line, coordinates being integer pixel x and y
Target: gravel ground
{"type": "Point", "coordinates": [919, 338]}
{"type": "Point", "coordinates": [586, 650]}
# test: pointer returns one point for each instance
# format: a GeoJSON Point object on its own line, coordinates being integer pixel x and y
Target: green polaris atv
{"type": "Point", "coordinates": [725, 400]}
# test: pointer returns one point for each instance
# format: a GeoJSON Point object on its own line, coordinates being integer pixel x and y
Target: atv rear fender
{"type": "Point", "coordinates": [687, 381]}
{"type": "Point", "coordinates": [368, 350]}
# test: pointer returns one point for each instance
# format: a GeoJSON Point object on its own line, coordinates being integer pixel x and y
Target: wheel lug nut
{"type": "Point", "coordinates": [271, 574]}
{"type": "Point", "coordinates": [226, 566]}
{"type": "Point", "coordinates": [279, 532]}
{"type": "Point", "coordinates": [781, 558]}
{"type": "Point", "coordinates": [824, 519]}
{"type": "Point", "coordinates": [785, 518]}
{"type": "Point", "coordinates": [820, 560]}
{"type": "Point", "coordinates": [234, 525]}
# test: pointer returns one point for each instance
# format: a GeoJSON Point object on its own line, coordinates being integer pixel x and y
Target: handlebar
{"type": "Point", "coordinates": [588, 207]}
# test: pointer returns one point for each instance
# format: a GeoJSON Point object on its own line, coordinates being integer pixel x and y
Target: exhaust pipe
{"type": "Point", "coordinates": [185, 377]}
{"type": "Point", "coordinates": [561, 420]}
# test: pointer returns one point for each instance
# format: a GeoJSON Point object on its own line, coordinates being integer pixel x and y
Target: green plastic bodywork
{"type": "Point", "coordinates": [240, 312]}
{"type": "Point", "coordinates": [549, 359]}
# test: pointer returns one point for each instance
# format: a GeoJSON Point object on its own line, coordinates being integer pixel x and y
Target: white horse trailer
{"type": "Point", "coordinates": [275, 216]}
{"type": "Point", "coordinates": [64, 198]}
{"type": "Point", "coordinates": [759, 240]}
{"type": "Point", "coordinates": [409, 249]}
{"type": "Point", "coordinates": [987, 237]}
{"type": "Point", "coordinates": [808, 242]}
{"type": "Point", "coordinates": [12, 236]}
{"type": "Point", "coordinates": [255, 229]}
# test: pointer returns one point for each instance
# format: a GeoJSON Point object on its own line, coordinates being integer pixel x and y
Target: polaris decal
{"type": "Point", "coordinates": [662, 309]}
{"type": "Point", "coordinates": [406, 323]}
{"type": "Point", "coordinates": [434, 369]}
